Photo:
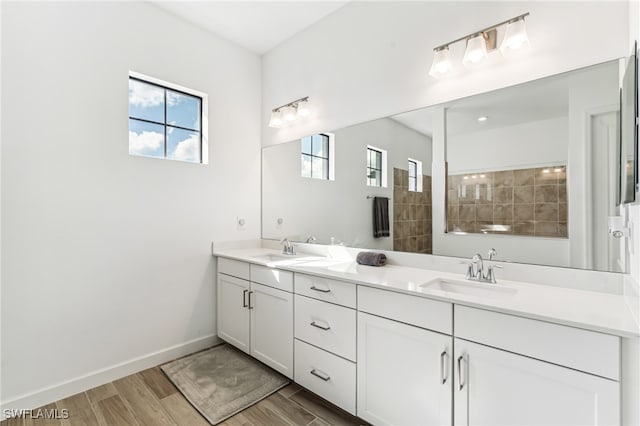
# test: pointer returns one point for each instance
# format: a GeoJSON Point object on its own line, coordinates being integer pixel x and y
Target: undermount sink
{"type": "Point", "coordinates": [469, 288]}
{"type": "Point", "coordinates": [272, 257]}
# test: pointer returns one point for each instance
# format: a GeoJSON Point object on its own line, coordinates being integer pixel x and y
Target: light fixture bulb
{"type": "Point", "coordinates": [515, 36]}
{"type": "Point", "coordinates": [289, 114]}
{"type": "Point", "coordinates": [304, 108]}
{"type": "Point", "coordinates": [482, 119]}
{"type": "Point", "coordinates": [476, 50]}
{"type": "Point", "coordinates": [441, 62]}
{"type": "Point", "coordinates": [276, 119]}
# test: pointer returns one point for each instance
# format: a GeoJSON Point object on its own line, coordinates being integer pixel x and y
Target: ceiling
{"type": "Point", "coordinates": [255, 25]}
{"type": "Point", "coordinates": [534, 101]}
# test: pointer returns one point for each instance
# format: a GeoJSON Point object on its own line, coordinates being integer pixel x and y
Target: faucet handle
{"type": "Point", "coordinates": [491, 275]}
{"type": "Point", "coordinates": [470, 274]}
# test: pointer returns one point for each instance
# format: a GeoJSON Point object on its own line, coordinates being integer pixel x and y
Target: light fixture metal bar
{"type": "Point", "coordinates": [306, 98]}
{"type": "Point", "coordinates": [492, 27]}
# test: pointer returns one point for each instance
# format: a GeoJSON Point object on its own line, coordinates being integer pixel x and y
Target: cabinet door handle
{"type": "Point", "coordinates": [321, 290]}
{"type": "Point", "coordinates": [320, 326]}
{"type": "Point", "coordinates": [443, 369]}
{"type": "Point", "coordinates": [460, 383]}
{"type": "Point", "coordinates": [244, 298]}
{"type": "Point", "coordinates": [320, 375]}
{"type": "Point", "coordinates": [249, 306]}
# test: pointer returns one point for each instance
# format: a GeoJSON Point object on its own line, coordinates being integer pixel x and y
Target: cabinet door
{"type": "Point", "coordinates": [272, 327]}
{"type": "Point", "coordinates": [404, 373]}
{"type": "Point", "coordinates": [494, 387]}
{"type": "Point", "coordinates": [233, 313]}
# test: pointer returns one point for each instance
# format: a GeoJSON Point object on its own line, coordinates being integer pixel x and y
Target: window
{"type": "Point", "coordinates": [317, 156]}
{"type": "Point", "coordinates": [376, 166]}
{"type": "Point", "coordinates": [415, 175]}
{"type": "Point", "coordinates": [165, 121]}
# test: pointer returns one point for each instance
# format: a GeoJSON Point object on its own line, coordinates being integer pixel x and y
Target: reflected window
{"type": "Point", "coordinates": [164, 121]}
{"type": "Point", "coordinates": [376, 166]}
{"type": "Point", "coordinates": [317, 156]}
{"type": "Point", "coordinates": [415, 175]}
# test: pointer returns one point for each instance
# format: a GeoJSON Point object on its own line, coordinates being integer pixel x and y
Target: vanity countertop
{"type": "Point", "coordinates": [596, 311]}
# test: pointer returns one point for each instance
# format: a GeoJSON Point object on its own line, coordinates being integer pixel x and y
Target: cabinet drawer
{"type": "Point", "coordinates": [331, 377]}
{"type": "Point", "coordinates": [234, 268]}
{"type": "Point", "coordinates": [583, 350]}
{"type": "Point", "coordinates": [330, 327]}
{"type": "Point", "coordinates": [326, 289]}
{"type": "Point", "coordinates": [414, 310]}
{"type": "Point", "coordinates": [275, 278]}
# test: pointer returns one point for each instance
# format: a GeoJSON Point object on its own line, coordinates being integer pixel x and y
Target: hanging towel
{"type": "Point", "coordinates": [380, 217]}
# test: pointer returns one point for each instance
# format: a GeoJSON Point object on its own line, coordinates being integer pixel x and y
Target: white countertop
{"type": "Point", "coordinates": [596, 311]}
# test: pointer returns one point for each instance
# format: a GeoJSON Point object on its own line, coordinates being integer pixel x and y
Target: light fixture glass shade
{"type": "Point", "coordinates": [515, 36]}
{"type": "Point", "coordinates": [304, 108]}
{"type": "Point", "coordinates": [276, 119]}
{"type": "Point", "coordinates": [289, 114]}
{"type": "Point", "coordinates": [476, 50]}
{"type": "Point", "coordinates": [441, 62]}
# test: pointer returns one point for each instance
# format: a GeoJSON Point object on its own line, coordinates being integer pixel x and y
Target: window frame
{"type": "Point", "coordinates": [417, 177]}
{"type": "Point", "coordinates": [202, 115]}
{"type": "Point", "coordinates": [383, 166]}
{"type": "Point", "coordinates": [329, 160]}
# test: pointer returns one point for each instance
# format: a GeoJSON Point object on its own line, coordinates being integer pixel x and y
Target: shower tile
{"type": "Point", "coordinates": [523, 194]}
{"type": "Point", "coordinates": [547, 212]}
{"type": "Point", "coordinates": [523, 177]}
{"type": "Point", "coordinates": [546, 193]}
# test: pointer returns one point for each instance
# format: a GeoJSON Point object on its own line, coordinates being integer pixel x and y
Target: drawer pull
{"type": "Point", "coordinates": [460, 384]}
{"type": "Point", "coordinates": [244, 298]}
{"type": "Point", "coordinates": [249, 306]}
{"type": "Point", "coordinates": [321, 290]}
{"type": "Point", "coordinates": [443, 374]}
{"type": "Point", "coordinates": [320, 326]}
{"type": "Point", "coordinates": [320, 375]}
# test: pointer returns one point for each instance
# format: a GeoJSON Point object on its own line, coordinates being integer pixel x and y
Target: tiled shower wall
{"type": "Point", "coordinates": [519, 202]}
{"type": "Point", "coordinates": [411, 214]}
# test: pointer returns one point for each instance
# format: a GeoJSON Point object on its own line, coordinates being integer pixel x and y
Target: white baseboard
{"type": "Point", "coordinates": [62, 390]}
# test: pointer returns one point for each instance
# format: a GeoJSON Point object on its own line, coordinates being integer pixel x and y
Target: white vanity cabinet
{"type": "Point", "coordinates": [325, 339]}
{"type": "Point", "coordinates": [257, 317]}
{"type": "Point", "coordinates": [548, 375]}
{"type": "Point", "coordinates": [404, 370]}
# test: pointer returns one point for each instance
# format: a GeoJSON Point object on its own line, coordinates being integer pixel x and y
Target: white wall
{"type": "Point", "coordinates": [371, 59]}
{"type": "Point", "coordinates": [106, 261]}
{"type": "Point", "coordinates": [337, 208]}
{"type": "Point", "coordinates": [521, 146]}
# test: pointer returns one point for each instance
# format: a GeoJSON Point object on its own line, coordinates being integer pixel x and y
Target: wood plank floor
{"type": "Point", "coordinates": [149, 398]}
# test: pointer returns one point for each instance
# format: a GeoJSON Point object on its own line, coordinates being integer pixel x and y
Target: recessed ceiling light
{"type": "Point", "coordinates": [482, 119]}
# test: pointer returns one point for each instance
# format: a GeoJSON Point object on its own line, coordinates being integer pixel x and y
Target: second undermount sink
{"type": "Point", "coordinates": [470, 288]}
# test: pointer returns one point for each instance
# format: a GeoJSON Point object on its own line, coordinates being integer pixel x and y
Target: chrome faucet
{"type": "Point", "coordinates": [311, 239]}
{"type": "Point", "coordinates": [287, 247]}
{"type": "Point", "coordinates": [476, 272]}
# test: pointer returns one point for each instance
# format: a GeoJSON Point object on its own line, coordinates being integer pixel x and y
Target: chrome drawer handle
{"type": "Point", "coordinates": [321, 327]}
{"type": "Point", "coordinates": [443, 376]}
{"type": "Point", "coordinates": [321, 290]}
{"type": "Point", "coordinates": [320, 375]}
{"type": "Point", "coordinates": [460, 384]}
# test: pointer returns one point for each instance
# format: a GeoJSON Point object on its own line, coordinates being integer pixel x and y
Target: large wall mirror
{"type": "Point", "coordinates": [530, 170]}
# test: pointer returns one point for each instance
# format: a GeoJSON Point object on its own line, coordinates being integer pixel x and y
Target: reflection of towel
{"type": "Point", "coordinates": [371, 258]}
{"type": "Point", "coordinates": [380, 217]}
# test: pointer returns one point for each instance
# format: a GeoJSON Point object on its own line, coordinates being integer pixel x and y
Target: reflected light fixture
{"type": "Point", "coordinates": [480, 43]}
{"type": "Point", "coordinates": [288, 113]}
{"type": "Point", "coordinates": [482, 119]}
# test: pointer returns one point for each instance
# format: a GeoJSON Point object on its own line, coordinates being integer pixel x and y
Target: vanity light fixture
{"type": "Point", "coordinates": [288, 113]}
{"type": "Point", "coordinates": [480, 43]}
